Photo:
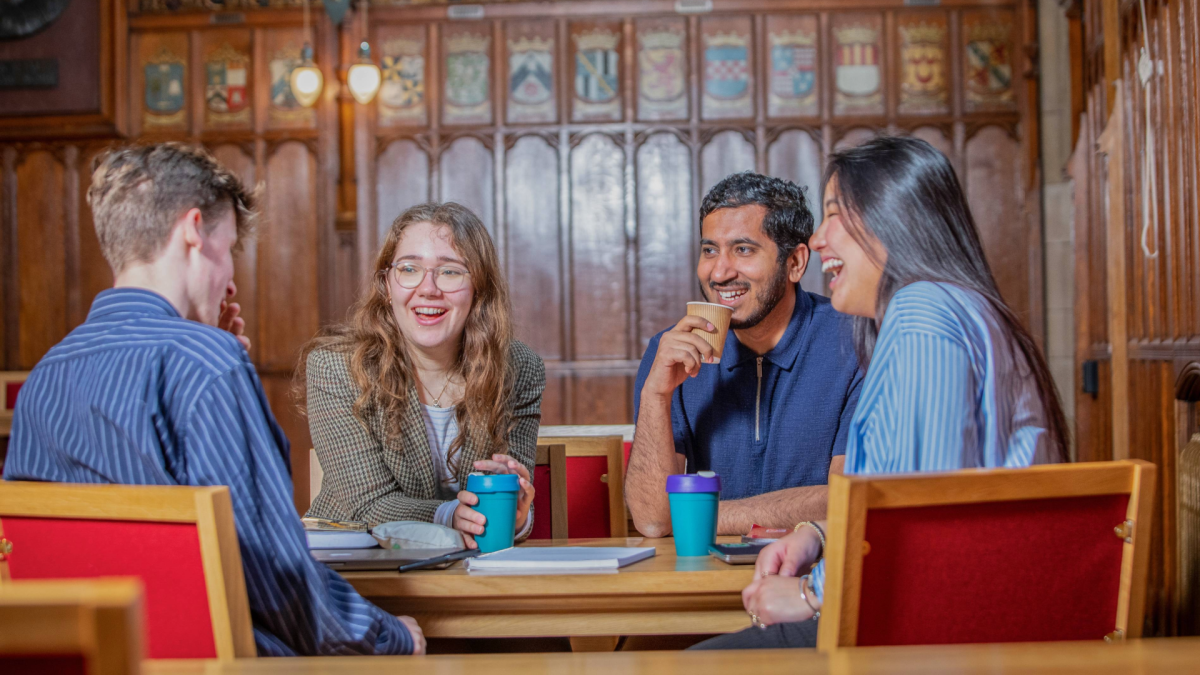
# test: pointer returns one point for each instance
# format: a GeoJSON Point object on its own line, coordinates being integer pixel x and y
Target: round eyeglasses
{"type": "Point", "coordinates": [448, 278]}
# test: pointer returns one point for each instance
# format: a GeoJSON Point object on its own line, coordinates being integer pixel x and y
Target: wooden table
{"type": "Point", "coordinates": [1176, 655]}
{"type": "Point", "coordinates": [663, 595]}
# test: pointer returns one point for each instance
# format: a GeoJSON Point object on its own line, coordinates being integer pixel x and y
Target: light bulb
{"type": "Point", "coordinates": [364, 77]}
{"type": "Point", "coordinates": [307, 79]}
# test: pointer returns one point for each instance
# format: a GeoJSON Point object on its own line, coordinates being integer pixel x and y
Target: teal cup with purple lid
{"type": "Point", "coordinates": [694, 501]}
{"type": "Point", "coordinates": [498, 503]}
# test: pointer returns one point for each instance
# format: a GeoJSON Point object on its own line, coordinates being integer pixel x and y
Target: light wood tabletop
{"type": "Point", "coordinates": [663, 595]}
{"type": "Point", "coordinates": [1174, 655]}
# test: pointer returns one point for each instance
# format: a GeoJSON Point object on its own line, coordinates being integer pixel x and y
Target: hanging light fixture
{"type": "Point", "coordinates": [364, 77]}
{"type": "Point", "coordinates": [307, 79]}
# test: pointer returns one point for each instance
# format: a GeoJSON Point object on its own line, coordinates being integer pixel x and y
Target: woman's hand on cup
{"type": "Point", "coordinates": [506, 464]}
{"type": "Point", "coordinates": [467, 520]}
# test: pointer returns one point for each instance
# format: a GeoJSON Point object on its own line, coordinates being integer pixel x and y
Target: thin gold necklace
{"type": "Point", "coordinates": [437, 400]}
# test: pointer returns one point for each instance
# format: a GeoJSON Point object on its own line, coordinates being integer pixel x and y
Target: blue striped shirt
{"type": "Point", "coordinates": [946, 389]}
{"type": "Point", "coordinates": [138, 395]}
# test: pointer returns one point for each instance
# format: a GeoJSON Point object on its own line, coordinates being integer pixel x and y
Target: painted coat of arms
{"type": "Point", "coordinates": [923, 55]}
{"type": "Point", "coordinates": [164, 90]}
{"type": "Point", "coordinates": [857, 75]}
{"type": "Point", "coordinates": [285, 109]}
{"type": "Point", "coordinates": [662, 90]}
{"type": "Point", "coordinates": [468, 70]}
{"type": "Point", "coordinates": [226, 89]}
{"type": "Point", "coordinates": [989, 66]}
{"type": "Point", "coordinates": [531, 80]}
{"type": "Point", "coordinates": [793, 74]}
{"type": "Point", "coordinates": [402, 93]}
{"type": "Point", "coordinates": [727, 76]}
{"type": "Point", "coordinates": [597, 64]}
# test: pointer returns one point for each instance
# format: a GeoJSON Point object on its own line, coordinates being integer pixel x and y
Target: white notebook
{"type": "Point", "coordinates": [559, 558]}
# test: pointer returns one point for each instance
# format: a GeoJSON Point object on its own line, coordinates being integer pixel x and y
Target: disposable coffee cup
{"type": "Point", "coordinates": [718, 316]}
{"type": "Point", "coordinates": [498, 503]}
{"type": "Point", "coordinates": [694, 498]}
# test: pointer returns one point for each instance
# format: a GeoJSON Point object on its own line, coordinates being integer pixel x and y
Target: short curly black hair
{"type": "Point", "coordinates": [789, 222]}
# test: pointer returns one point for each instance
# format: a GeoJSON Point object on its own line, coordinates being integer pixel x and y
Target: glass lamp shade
{"type": "Point", "coordinates": [307, 80]}
{"type": "Point", "coordinates": [364, 77]}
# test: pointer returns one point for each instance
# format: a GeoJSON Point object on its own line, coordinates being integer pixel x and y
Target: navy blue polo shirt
{"type": "Point", "coordinates": [777, 430]}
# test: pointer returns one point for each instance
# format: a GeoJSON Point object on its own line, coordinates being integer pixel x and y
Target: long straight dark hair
{"type": "Point", "coordinates": [903, 194]}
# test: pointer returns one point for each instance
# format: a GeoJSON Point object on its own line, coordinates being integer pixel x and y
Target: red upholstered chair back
{"type": "Point", "coordinates": [595, 485]}
{"type": "Point", "coordinates": [1018, 555]}
{"type": "Point", "coordinates": [10, 384]}
{"type": "Point", "coordinates": [72, 627]}
{"type": "Point", "coordinates": [179, 541]}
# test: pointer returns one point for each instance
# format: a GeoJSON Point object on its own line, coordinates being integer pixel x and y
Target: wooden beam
{"type": "Point", "coordinates": [1111, 143]}
{"type": "Point", "coordinates": [1111, 21]}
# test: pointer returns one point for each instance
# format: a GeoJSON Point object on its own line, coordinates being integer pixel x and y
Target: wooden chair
{"type": "Point", "coordinates": [10, 384]}
{"type": "Point", "coordinates": [595, 484]}
{"type": "Point", "coordinates": [550, 501]}
{"type": "Point", "coordinates": [1054, 552]}
{"type": "Point", "coordinates": [61, 627]}
{"type": "Point", "coordinates": [180, 541]}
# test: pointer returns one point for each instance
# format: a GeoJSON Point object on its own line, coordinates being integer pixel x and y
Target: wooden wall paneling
{"type": "Point", "coordinates": [76, 312]}
{"type": "Point", "coordinates": [727, 152]}
{"type": "Point", "coordinates": [534, 251]}
{"type": "Point", "coordinates": [796, 155]}
{"type": "Point", "coordinates": [554, 398]}
{"type": "Point", "coordinates": [1112, 144]}
{"type": "Point", "coordinates": [994, 192]}
{"type": "Point", "coordinates": [402, 173]}
{"type": "Point", "coordinates": [602, 397]}
{"type": "Point", "coordinates": [237, 159]}
{"type": "Point", "coordinates": [991, 61]}
{"type": "Point", "coordinates": [404, 58]}
{"type": "Point", "coordinates": [922, 63]}
{"type": "Point", "coordinates": [94, 273]}
{"type": "Point", "coordinates": [9, 278]}
{"type": "Point", "coordinates": [937, 137]}
{"type": "Point", "coordinates": [287, 250]}
{"type": "Point", "coordinates": [40, 256]}
{"type": "Point", "coordinates": [854, 137]}
{"type": "Point", "coordinates": [858, 58]}
{"type": "Point", "coordinates": [667, 234]}
{"type": "Point", "coordinates": [599, 293]}
{"type": "Point", "coordinates": [466, 172]}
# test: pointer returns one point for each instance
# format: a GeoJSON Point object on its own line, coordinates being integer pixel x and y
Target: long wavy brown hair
{"type": "Point", "coordinates": [380, 361]}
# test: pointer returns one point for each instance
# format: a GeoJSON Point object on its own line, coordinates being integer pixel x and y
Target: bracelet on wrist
{"type": "Point", "coordinates": [820, 536]}
{"type": "Point", "coordinates": [807, 580]}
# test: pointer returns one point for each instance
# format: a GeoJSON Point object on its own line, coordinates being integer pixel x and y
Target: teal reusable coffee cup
{"type": "Point", "coordinates": [498, 503]}
{"type": "Point", "coordinates": [694, 498]}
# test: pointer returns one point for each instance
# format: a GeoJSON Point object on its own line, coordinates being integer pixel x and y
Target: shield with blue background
{"type": "Point", "coordinates": [793, 70]}
{"type": "Point", "coordinates": [726, 71]}
{"type": "Point", "coordinates": [164, 87]}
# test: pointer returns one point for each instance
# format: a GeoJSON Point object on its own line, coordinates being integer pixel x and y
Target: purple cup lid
{"type": "Point", "coordinates": [704, 481]}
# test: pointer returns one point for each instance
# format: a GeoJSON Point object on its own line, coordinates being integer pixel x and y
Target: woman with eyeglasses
{"type": "Point", "coordinates": [425, 383]}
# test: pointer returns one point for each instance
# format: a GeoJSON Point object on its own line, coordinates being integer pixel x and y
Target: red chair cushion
{"type": "Point", "coordinates": [49, 664]}
{"type": "Point", "coordinates": [628, 446]}
{"type": "Point", "coordinates": [587, 497]}
{"type": "Point", "coordinates": [1046, 569]}
{"type": "Point", "coordinates": [541, 504]}
{"type": "Point", "coordinates": [166, 556]}
{"type": "Point", "coordinates": [10, 394]}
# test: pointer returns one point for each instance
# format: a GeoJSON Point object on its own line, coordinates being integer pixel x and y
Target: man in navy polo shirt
{"type": "Point", "coordinates": [773, 415]}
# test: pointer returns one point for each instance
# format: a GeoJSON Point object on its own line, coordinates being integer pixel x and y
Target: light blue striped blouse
{"type": "Point", "coordinates": [140, 396]}
{"type": "Point", "coordinates": [946, 389]}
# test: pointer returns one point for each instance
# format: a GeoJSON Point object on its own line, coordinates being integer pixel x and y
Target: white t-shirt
{"type": "Point", "coordinates": [441, 428]}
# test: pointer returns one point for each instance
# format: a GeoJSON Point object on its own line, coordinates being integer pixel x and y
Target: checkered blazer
{"type": "Point", "coordinates": [372, 477]}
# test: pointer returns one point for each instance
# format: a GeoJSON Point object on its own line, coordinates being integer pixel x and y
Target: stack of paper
{"type": "Point", "coordinates": [322, 534]}
{"type": "Point", "coordinates": [559, 558]}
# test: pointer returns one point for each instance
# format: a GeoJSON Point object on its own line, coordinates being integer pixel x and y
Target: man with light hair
{"type": "Point", "coordinates": [156, 388]}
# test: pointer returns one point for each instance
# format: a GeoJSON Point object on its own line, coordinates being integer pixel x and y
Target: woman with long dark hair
{"type": "Point", "coordinates": [424, 383]}
{"type": "Point", "coordinates": [953, 380]}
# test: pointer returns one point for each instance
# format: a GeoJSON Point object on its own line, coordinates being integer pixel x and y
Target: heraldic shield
{"type": "Point", "coordinates": [164, 87]}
